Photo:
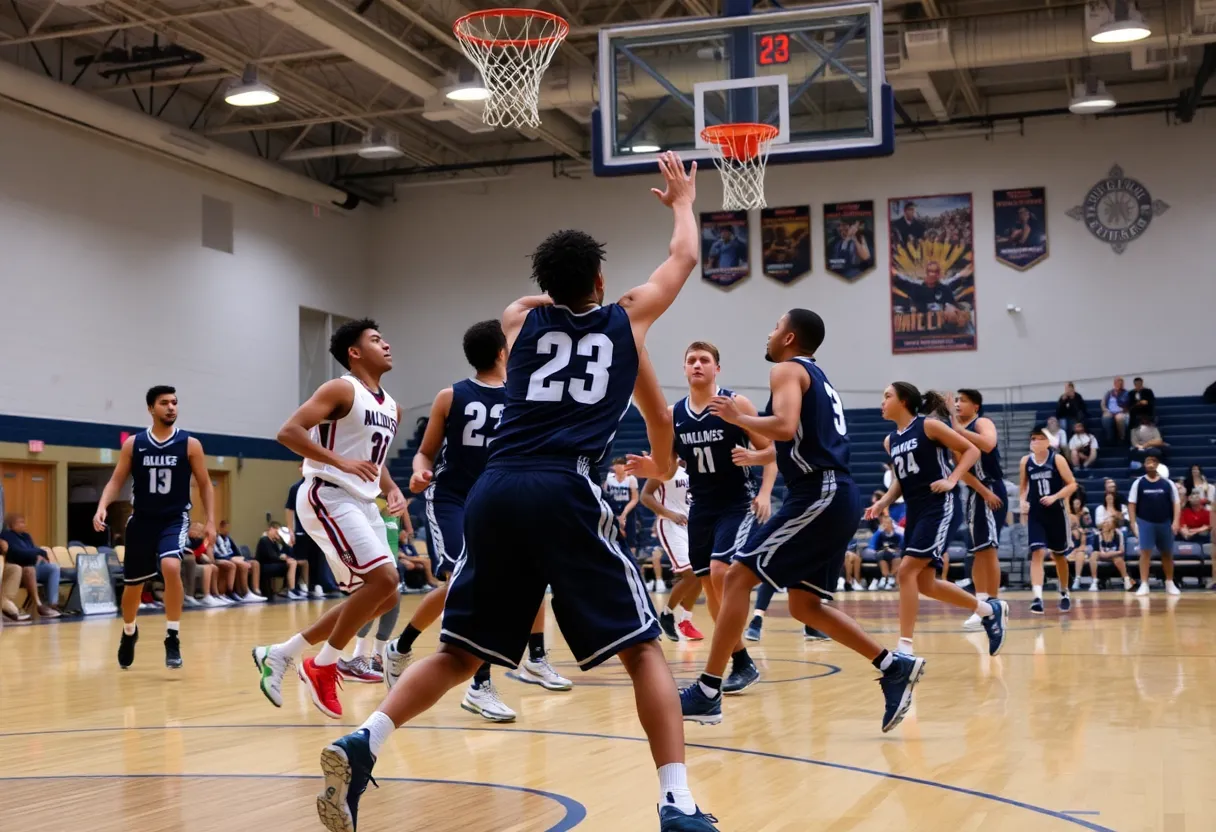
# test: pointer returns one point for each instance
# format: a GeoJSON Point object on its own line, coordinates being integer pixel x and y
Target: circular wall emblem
{"type": "Point", "coordinates": [1118, 209]}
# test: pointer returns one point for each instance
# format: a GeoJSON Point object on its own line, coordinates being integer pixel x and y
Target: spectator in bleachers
{"type": "Point", "coordinates": [1154, 509]}
{"type": "Point", "coordinates": [898, 508]}
{"type": "Point", "coordinates": [1194, 523]}
{"type": "Point", "coordinates": [888, 544]}
{"type": "Point", "coordinates": [1146, 441]}
{"type": "Point", "coordinates": [1070, 407]}
{"type": "Point", "coordinates": [1196, 480]}
{"type": "Point", "coordinates": [1112, 509]}
{"type": "Point", "coordinates": [1056, 437]}
{"type": "Point", "coordinates": [10, 582]}
{"type": "Point", "coordinates": [1082, 447]}
{"type": "Point", "coordinates": [208, 568]}
{"type": "Point", "coordinates": [1184, 496]}
{"type": "Point", "coordinates": [1108, 544]}
{"type": "Point", "coordinates": [1143, 403]}
{"type": "Point", "coordinates": [1081, 525]}
{"type": "Point", "coordinates": [242, 587]}
{"type": "Point", "coordinates": [413, 569]}
{"type": "Point", "coordinates": [276, 560]}
{"type": "Point", "coordinates": [1114, 411]}
{"type": "Point", "coordinates": [303, 548]}
{"type": "Point", "coordinates": [36, 567]}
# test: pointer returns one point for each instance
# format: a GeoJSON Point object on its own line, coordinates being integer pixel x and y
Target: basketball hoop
{"type": "Point", "coordinates": [740, 152]}
{"type": "Point", "coordinates": [512, 49]}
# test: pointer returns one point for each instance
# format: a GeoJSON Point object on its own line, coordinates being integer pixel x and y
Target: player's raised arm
{"type": "Point", "coordinates": [114, 487]}
{"type": "Point", "coordinates": [650, 300]}
{"type": "Point", "coordinates": [649, 399]}
{"type": "Point", "coordinates": [432, 441]}
{"type": "Point", "coordinates": [333, 400]}
{"type": "Point", "coordinates": [788, 382]}
{"type": "Point", "coordinates": [513, 316]}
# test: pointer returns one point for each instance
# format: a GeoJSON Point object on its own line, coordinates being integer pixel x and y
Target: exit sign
{"type": "Point", "coordinates": [37, 446]}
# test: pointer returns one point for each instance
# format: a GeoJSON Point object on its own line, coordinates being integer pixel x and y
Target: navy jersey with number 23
{"type": "Point", "coordinates": [160, 473]}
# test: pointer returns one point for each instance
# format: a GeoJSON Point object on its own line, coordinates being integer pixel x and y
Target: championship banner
{"type": "Point", "coordinates": [848, 236]}
{"type": "Point", "coordinates": [724, 247]}
{"type": "Point", "coordinates": [786, 237]}
{"type": "Point", "coordinates": [932, 274]}
{"type": "Point", "coordinates": [1021, 226]}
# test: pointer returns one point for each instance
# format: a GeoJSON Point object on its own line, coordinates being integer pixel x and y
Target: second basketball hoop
{"type": "Point", "coordinates": [511, 48]}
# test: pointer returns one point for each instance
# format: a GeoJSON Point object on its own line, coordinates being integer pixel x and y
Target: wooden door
{"type": "Point", "coordinates": [29, 489]}
{"type": "Point", "coordinates": [219, 483]}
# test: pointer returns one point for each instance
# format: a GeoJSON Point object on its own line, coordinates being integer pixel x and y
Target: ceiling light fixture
{"type": "Point", "coordinates": [468, 86]}
{"type": "Point", "coordinates": [645, 142]}
{"type": "Point", "coordinates": [250, 92]}
{"type": "Point", "coordinates": [1125, 24]}
{"type": "Point", "coordinates": [1091, 97]}
{"type": "Point", "coordinates": [380, 144]}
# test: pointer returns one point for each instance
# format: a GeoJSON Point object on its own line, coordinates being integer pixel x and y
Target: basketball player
{"type": "Point", "coordinates": [669, 501]}
{"type": "Point", "coordinates": [573, 364]}
{"type": "Point", "coordinates": [343, 432]}
{"type": "Point", "coordinates": [621, 491]}
{"type": "Point", "coordinates": [918, 449]}
{"type": "Point", "coordinates": [802, 546]}
{"type": "Point", "coordinates": [986, 504]}
{"type": "Point", "coordinates": [1046, 485]}
{"type": "Point", "coordinates": [724, 501]}
{"type": "Point", "coordinates": [161, 459]}
{"type": "Point", "coordinates": [464, 421]}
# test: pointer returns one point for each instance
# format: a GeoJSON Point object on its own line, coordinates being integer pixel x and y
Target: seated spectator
{"type": "Point", "coordinates": [1195, 522]}
{"type": "Point", "coordinates": [1146, 441]}
{"type": "Point", "coordinates": [207, 567]}
{"type": "Point", "coordinates": [276, 561]}
{"type": "Point", "coordinates": [852, 570]}
{"type": "Point", "coordinates": [1196, 480]}
{"type": "Point", "coordinates": [1184, 496]}
{"type": "Point", "coordinates": [35, 566]}
{"type": "Point", "coordinates": [10, 582]}
{"type": "Point", "coordinates": [1112, 509]}
{"type": "Point", "coordinates": [413, 569]}
{"type": "Point", "coordinates": [239, 586]}
{"type": "Point", "coordinates": [1107, 544]}
{"type": "Point", "coordinates": [1070, 407]}
{"type": "Point", "coordinates": [1143, 404]}
{"type": "Point", "coordinates": [1114, 412]}
{"type": "Point", "coordinates": [888, 544]}
{"type": "Point", "coordinates": [1056, 437]}
{"type": "Point", "coordinates": [1081, 525]}
{"type": "Point", "coordinates": [1082, 447]}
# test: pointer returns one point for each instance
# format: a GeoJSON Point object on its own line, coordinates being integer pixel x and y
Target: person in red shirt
{"type": "Point", "coordinates": [1195, 521]}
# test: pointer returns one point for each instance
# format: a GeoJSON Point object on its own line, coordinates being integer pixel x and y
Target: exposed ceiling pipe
{"type": "Point", "coordinates": [66, 103]}
{"type": "Point", "coordinates": [924, 85]}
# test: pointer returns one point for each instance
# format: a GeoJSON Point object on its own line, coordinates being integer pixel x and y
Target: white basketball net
{"type": "Point", "coordinates": [741, 160]}
{"type": "Point", "coordinates": [512, 49]}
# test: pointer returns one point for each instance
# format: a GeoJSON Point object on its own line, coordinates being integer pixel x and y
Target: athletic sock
{"type": "Point", "coordinates": [361, 647]}
{"type": "Point", "coordinates": [983, 609]}
{"type": "Point", "coordinates": [740, 659]}
{"type": "Point", "coordinates": [1037, 591]}
{"type": "Point", "coordinates": [173, 626]}
{"type": "Point", "coordinates": [536, 647]}
{"type": "Point", "coordinates": [128, 629]}
{"type": "Point", "coordinates": [379, 643]}
{"type": "Point", "coordinates": [405, 642]}
{"type": "Point", "coordinates": [711, 686]}
{"type": "Point", "coordinates": [379, 727]}
{"type": "Point", "coordinates": [328, 655]}
{"type": "Point", "coordinates": [905, 646]}
{"type": "Point", "coordinates": [884, 660]}
{"type": "Point", "coordinates": [667, 610]}
{"type": "Point", "coordinates": [294, 646]}
{"type": "Point", "coordinates": [673, 788]}
{"type": "Point", "coordinates": [981, 596]}
{"type": "Point", "coordinates": [683, 614]}
{"type": "Point", "coordinates": [757, 613]}
{"type": "Point", "coordinates": [482, 675]}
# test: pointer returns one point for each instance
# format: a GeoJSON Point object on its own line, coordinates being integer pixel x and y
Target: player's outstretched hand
{"type": "Point", "coordinates": [942, 486]}
{"type": "Point", "coordinates": [420, 480]}
{"type": "Point", "coordinates": [642, 466]}
{"type": "Point", "coordinates": [681, 186]}
{"type": "Point", "coordinates": [871, 512]}
{"type": "Point", "coordinates": [725, 408]}
{"type": "Point", "coordinates": [363, 469]}
{"type": "Point", "coordinates": [99, 520]}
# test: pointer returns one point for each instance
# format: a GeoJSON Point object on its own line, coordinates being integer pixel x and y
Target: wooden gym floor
{"type": "Point", "coordinates": [1102, 721]}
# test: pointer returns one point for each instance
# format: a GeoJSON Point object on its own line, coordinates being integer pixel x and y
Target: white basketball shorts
{"type": "Point", "coordinates": [674, 539]}
{"type": "Point", "coordinates": [348, 529]}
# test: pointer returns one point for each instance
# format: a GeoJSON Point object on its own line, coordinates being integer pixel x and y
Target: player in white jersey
{"type": "Point", "coordinates": [669, 501]}
{"type": "Point", "coordinates": [343, 432]}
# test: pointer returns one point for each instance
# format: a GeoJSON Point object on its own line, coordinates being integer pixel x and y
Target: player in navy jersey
{"type": "Point", "coordinates": [919, 450]}
{"type": "Point", "coordinates": [802, 546]}
{"type": "Point", "coordinates": [453, 452]}
{"type": "Point", "coordinates": [536, 518]}
{"type": "Point", "coordinates": [621, 492]}
{"type": "Point", "coordinates": [724, 500]}
{"type": "Point", "coordinates": [1046, 484]}
{"type": "Point", "coordinates": [161, 460]}
{"type": "Point", "coordinates": [986, 504]}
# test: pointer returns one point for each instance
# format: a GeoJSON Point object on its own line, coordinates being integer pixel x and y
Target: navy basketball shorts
{"type": "Point", "coordinates": [716, 533]}
{"type": "Point", "coordinates": [445, 529]}
{"type": "Point", "coordinates": [927, 531]}
{"type": "Point", "coordinates": [150, 538]}
{"type": "Point", "coordinates": [802, 546]}
{"type": "Point", "coordinates": [1050, 531]}
{"type": "Point", "coordinates": [984, 522]}
{"type": "Point", "coordinates": [531, 524]}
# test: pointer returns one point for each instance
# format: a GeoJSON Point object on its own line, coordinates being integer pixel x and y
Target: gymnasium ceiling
{"type": "Point", "coordinates": [343, 67]}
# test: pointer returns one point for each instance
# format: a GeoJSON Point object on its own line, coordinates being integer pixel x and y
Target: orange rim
{"type": "Point", "coordinates": [461, 28]}
{"type": "Point", "coordinates": [740, 141]}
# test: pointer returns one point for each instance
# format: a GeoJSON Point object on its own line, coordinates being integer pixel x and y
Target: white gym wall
{"type": "Point", "coordinates": [107, 289]}
{"type": "Point", "coordinates": [450, 256]}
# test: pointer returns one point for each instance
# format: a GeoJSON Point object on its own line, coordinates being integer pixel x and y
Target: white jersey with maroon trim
{"type": "Point", "coordinates": [673, 494]}
{"type": "Point", "coordinates": [365, 433]}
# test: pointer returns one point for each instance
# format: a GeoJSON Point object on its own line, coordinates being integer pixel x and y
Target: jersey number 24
{"type": "Point", "coordinates": [596, 346]}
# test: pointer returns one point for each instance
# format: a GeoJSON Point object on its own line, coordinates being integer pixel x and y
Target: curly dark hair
{"type": "Point", "coordinates": [347, 336]}
{"type": "Point", "coordinates": [566, 264]}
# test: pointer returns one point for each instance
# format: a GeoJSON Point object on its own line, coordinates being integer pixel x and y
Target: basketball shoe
{"type": "Point", "coordinates": [347, 766]}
